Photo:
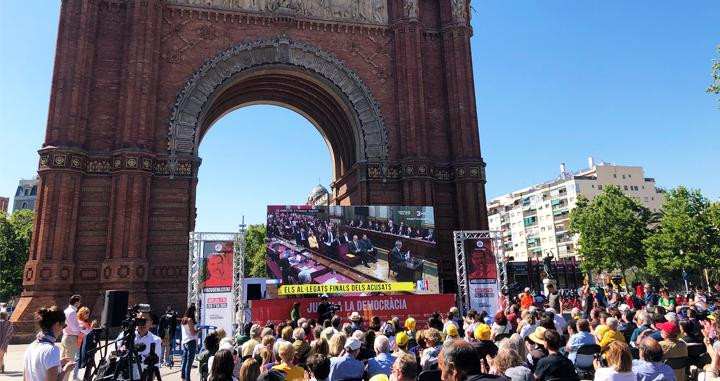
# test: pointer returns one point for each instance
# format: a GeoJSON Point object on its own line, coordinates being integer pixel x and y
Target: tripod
{"type": "Point", "coordinates": [123, 365]}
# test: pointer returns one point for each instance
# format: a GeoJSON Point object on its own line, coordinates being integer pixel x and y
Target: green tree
{"type": "Point", "coordinates": [715, 214]}
{"type": "Point", "coordinates": [714, 88]}
{"type": "Point", "coordinates": [15, 235]}
{"type": "Point", "coordinates": [255, 263]}
{"type": "Point", "coordinates": [685, 239]}
{"type": "Point", "coordinates": [612, 228]}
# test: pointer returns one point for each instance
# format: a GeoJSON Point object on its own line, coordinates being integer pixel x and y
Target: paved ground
{"type": "Point", "coordinates": [14, 360]}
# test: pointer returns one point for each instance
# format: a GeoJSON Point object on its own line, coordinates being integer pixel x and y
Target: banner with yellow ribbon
{"type": "Point", "coordinates": [341, 288]}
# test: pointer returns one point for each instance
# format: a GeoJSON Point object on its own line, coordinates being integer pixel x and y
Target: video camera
{"type": "Point", "coordinates": [128, 356]}
{"type": "Point", "coordinates": [131, 320]}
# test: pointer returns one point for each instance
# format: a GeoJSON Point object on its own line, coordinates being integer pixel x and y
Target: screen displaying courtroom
{"type": "Point", "coordinates": [352, 244]}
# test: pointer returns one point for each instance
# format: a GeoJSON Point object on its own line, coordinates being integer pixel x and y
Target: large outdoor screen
{"type": "Point", "coordinates": [353, 250]}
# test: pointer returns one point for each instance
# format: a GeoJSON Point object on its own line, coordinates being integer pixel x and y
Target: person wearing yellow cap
{"type": "Point", "coordinates": [401, 344]}
{"type": "Point", "coordinates": [451, 333]}
{"type": "Point", "coordinates": [482, 342]}
{"type": "Point", "coordinates": [410, 331]}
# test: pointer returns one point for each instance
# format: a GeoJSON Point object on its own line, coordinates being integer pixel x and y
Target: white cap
{"type": "Point", "coordinates": [352, 344]}
{"type": "Point", "coordinates": [527, 289]}
{"type": "Point", "coordinates": [624, 307]}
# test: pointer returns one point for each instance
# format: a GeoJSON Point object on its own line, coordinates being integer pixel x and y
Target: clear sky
{"type": "Point", "coordinates": [556, 81]}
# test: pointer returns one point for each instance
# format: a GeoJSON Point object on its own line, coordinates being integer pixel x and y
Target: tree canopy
{"type": "Point", "coordinates": [15, 235]}
{"type": "Point", "coordinates": [714, 87]}
{"type": "Point", "coordinates": [686, 237]}
{"type": "Point", "coordinates": [612, 228]}
{"type": "Point", "coordinates": [255, 264]}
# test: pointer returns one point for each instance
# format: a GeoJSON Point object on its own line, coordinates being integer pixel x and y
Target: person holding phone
{"type": "Point", "coordinates": [42, 358]}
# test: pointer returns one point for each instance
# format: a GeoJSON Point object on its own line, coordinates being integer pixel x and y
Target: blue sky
{"type": "Point", "coordinates": [556, 81]}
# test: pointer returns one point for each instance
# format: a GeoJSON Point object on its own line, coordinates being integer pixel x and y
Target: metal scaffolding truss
{"type": "Point", "coordinates": [240, 308]}
{"type": "Point", "coordinates": [195, 261]}
{"type": "Point", "coordinates": [460, 237]}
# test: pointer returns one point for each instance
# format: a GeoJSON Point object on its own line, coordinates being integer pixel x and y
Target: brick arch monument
{"type": "Point", "coordinates": [137, 83]}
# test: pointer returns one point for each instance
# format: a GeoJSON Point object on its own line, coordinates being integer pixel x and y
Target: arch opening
{"type": "Point", "coordinates": [295, 75]}
{"type": "Point", "coordinates": [269, 154]}
{"type": "Point", "coordinates": [303, 93]}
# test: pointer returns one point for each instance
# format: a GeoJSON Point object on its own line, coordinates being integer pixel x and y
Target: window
{"type": "Point", "coordinates": [623, 176]}
{"type": "Point", "coordinates": [577, 188]}
{"type": "Point", "coordinates": [652, 198]}
{"type": "Point", "coordinates": [599, 187]}
{"type": "Point", "coordinates": [593, 186]}
{"type": "Point", "coordinates": [625, 187]}
{"type": "Point", "coordinates": [615, 175]}
{"type": "Point", "coordinates": [643, 187]}
{"type": "Point", "coordinates": [542, 229]}
{"type": "Point", "coordinates": [27, 192]}
{"type": "Point", "coordinates": [24, 205]}
{"type": "Point", "coordinates": [629, 175]}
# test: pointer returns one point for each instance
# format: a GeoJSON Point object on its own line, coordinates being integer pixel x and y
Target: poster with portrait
{"type": "Point", "coordinates": [216, 280]}
{"type": "Point", "coordinates": [217, 266]}
{"type": "Point", "coordinates": [482, 275]}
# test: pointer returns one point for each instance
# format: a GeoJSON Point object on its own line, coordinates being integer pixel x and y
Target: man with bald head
{"type": "Point", "coordinates": [383, 360]}
{"type": "Point", "coordinates": [650, 367]}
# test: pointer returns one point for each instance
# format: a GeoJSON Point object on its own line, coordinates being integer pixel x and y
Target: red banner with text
{"type": "Point", "coordinates": [420, 307]}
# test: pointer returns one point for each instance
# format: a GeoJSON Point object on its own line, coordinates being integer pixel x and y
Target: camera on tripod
{"type": "Point", "coordinates": [131, 320]}
{"type": "Point", "coordinates": [125, 362]}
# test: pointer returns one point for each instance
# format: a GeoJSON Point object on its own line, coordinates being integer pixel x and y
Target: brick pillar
{"type": "Point", "coordinates": [49, 273]}
{"type": "Point", "coordinates": [467, 162]}
{"type": "Point", "coordinates": [126, 264]}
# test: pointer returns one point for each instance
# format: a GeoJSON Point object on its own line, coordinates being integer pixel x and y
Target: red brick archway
{"type": "Point", "coordinates": [136, 84]}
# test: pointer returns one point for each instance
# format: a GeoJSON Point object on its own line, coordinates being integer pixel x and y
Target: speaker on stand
{"type": "Point", "coordinates": [114, 309]}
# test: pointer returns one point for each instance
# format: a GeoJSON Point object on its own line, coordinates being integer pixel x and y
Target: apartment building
{"type": "Point", "coordinates": [535, 220]}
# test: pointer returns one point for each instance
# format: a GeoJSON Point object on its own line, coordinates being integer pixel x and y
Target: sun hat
{"type": "Point", "coordinates": [538, 335]}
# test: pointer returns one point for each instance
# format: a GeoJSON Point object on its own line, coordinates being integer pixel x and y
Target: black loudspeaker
{"type": "Point", "coordinates": [114, 309]}
{"type": "Point", "coordinates": [254, 292]}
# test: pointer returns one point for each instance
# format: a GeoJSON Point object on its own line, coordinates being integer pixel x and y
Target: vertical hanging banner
{"type": "Point", "coordinates": [482, 275]}
{"type": "Point", "coordinates": [216, 279]}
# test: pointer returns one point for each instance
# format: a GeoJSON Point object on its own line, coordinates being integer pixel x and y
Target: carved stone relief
{"type": "Point", "coordinates": [193, 99]}
{"type": "Point", "coordinates": [364, 11]}
{"type": "Point", "coordinates": [459, 10]}
{"type": "Point", "coordinates": [411, 9]}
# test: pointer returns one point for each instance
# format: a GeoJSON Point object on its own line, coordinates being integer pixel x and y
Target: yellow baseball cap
{"type": "Point", "coordinates": [402, 338]}
{"type": "Point", "coordinates": [482, 332]}
{"type": "Point", "coordinates": [410, 324]}
{"type": "Point", "coordinates": [451, 330]}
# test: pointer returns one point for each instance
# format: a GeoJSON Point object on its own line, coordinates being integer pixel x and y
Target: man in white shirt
{"type": "Point", "coordinates": [558, 319]}
{"type": "Point", "coordinates": [72, 329]}
{"type": "Point", "coordinates": [700, 300]}
{"type": "Point", "coordinates": [145, 337]}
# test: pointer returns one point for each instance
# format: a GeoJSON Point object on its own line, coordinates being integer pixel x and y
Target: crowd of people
{"type": "Point", "coordinates": [649, 339]}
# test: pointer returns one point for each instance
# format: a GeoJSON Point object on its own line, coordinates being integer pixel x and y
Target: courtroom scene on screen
{"type": "Point", "coordinates": [353, 244]}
